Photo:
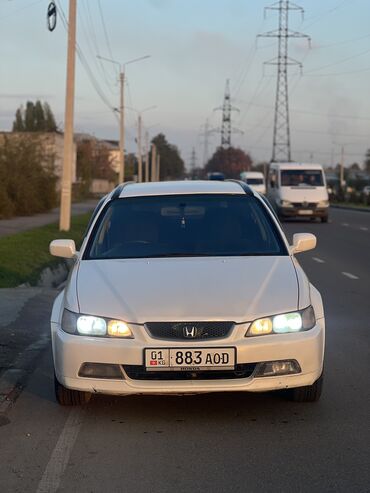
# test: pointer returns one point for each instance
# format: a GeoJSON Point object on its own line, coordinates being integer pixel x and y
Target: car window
{"type": "Point", "coordinates": [296, 178]}
{"type": "Point", "coordinates": [184, 225]}
{"type": "Point", "coordinates": [255, 181]}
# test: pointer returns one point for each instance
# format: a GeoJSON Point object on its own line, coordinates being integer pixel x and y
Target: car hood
{"type": "Point", "coordinates": [237, 289]}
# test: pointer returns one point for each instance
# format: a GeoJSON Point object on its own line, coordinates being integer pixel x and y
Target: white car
{"type": "Point", "coordinates": [186, 287]}
{"type": "Point", "coordinates": [255, 179]}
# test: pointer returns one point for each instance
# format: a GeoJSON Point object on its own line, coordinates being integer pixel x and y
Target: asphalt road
{"type": "Point", "coordinates": [221, 442]}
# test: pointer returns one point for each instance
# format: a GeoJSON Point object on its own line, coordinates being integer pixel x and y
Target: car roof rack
{"type": "Point", "coordinates": [244, 186]}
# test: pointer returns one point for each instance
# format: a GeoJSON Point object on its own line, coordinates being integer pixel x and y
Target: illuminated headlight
{"type": "Point", "coordinates": [89, 325]}
{"type": "Point", "coordinates": [283, 323]}
{"type": "Point", "coordinates": [285, 203]}
{"type": "Point", "coordinates": [323, 203]}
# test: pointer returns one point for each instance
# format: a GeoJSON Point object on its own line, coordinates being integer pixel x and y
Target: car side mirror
{"type": "Point", "coordinates": [63, 248]}
{"type": "Point", "coordinates": [302, 242]}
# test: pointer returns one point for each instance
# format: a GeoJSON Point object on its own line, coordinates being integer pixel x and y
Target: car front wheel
{"type": "Point", "coordinates": [309, 393]}
{"type": "Point", "coordinates": [69, 397]}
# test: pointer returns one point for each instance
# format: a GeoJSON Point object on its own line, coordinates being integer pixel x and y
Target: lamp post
{"type": "Point", "coordinates": [122, 110]}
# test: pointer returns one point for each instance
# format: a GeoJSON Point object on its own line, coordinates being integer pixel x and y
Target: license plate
{"type": "Point", "coordinates": [304, 212]}
{"type": "Point", "coordinates": [186, 359]}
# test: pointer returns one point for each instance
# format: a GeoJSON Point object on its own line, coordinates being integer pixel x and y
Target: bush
{"type": "Point", "coordinates": [27, 179]}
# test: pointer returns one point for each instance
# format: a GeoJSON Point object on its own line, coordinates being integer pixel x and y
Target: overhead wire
{"type": "Point", "coordinates": [86, 66]}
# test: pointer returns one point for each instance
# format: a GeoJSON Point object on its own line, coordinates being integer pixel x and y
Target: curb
{"type": "Point", "coordinates": [348, 208]}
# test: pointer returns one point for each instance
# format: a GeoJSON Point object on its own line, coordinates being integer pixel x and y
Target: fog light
{"type": "Point", "coordinates": [275, 368]}
{"type": "Point", "coordinates": [100, 370]}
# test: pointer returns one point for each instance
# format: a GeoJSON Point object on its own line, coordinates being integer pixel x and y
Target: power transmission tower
{"type": "Point", "coordinates": [227, 109]}
{"type": "Point", "coordinates": [193, 160]}
{"type": "Point", "coordinates": [281, 150]}
{"type": "Point", "coordinates": [206, 133]}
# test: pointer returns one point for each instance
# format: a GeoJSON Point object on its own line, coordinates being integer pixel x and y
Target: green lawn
{"type": "Point", "coordinates": [24, 255]}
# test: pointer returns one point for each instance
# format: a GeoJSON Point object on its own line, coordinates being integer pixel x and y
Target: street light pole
{"type": "Point", "coordinates": [66, 188]}
{"type": "Point", "coordinates": [121, 174]}
{"type": "Point", "coordinates": [146, 156]}
{"type": "Point", "coordinates": [139, 150]}
{"type": "Point", "coordinates": [154, 163]}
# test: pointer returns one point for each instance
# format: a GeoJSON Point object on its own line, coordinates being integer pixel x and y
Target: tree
{"type": "Point", "coordinates": [367, 162]}
{"type": "Point", "coordinates": [50, 125]}
{"type": "Point", "coordinates": [93, 161]}
{"type": "Point", "coordinates": [29, 117]}
{"type": "Point", "coordinates": [231, 162]}
{"type": "Point", "coordinates": [36, 117]}
{"type": "Point", "coordinates": [27, 179]}
{"type": "Point", "coordinates": [171, 164]}
{"type": "Point", "coordinates": [40, 124]}
{"type": "Point", "coordinates": [18, 124]}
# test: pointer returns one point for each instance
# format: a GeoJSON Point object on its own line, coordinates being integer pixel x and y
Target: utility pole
{"type": "Point", "coordinates": [139, 150]}
{"type": "Point", "coordinates": [158, 167]}
{"type": "Point", "coordinates": [66, 189]}
{"type": "Point", "coordinates": [281, 150]}
{"type": "Point", "coordinates": [227, 109]}
{"type": "Point", "coordinates": [154, 163]}
{"type": "Point", "coordinates": [341, 177]}
{"type": "Point", "coordinates": [146, 156]}
{"type": "Point", "coordinates": [121, 174]}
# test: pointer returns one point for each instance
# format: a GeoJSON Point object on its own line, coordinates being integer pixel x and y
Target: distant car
{"type": "Point", "coordinates": [366, 191]}
{"type": "Point", "coordinates": [215, 175]}
{"type": "Point", "coordinates": [255, 179]}
{"type": "Point", "coordinates": [182, 288]}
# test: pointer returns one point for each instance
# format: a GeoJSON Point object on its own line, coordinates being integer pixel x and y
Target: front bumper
{"type": "Point", "coordinates": [303, 212]}
{"type": "Point", "coordinates": [70, 352]}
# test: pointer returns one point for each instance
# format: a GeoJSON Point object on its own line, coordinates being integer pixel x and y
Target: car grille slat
{"type": "Point", "coordinates": [189, 331]}
{"type": "Point", "coordinates": [139, 372]}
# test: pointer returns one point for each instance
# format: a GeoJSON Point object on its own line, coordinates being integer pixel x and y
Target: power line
{"type": "Point", "coordinates": [86, 66]}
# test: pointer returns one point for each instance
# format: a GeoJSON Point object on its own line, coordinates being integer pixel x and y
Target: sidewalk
{"type": "Point", "coordinates": [24, 223]}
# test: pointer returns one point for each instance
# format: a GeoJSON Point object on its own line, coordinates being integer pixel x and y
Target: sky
{"type": "Point", "coordinates": [194, 47]}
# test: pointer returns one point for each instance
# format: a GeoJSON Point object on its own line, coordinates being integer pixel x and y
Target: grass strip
{"type": "Point", "coordinates": [23, 256]}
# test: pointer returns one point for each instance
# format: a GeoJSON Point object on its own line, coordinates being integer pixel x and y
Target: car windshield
{"type": "Point", "coordinates": [297, 178]}
{"type": "Point", "coordinates": [184, 226]}
{"type": "Point", "coordinates": [255, 181]}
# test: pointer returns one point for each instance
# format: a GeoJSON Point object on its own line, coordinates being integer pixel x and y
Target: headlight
{"type": "Point", "coordinates": [89, 325]}
{"type": "Point", "coordinates": [323, 203]}
{"type": "Point", "coordinates": [285, 203]}
{"type": "Point", "coordinates": [283, 323]}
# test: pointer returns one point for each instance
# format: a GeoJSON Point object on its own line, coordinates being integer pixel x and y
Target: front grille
{"type": "Point", "coordinates": [189, 331]}
{"type": "Point", "coordinates": [138, 372]}
{"type": "Point", "coordinates": [304, 205]}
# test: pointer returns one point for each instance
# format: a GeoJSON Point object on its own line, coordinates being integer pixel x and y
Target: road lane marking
{"type": "Point", "coordinates": [55, 468]}
{"type": "Point", "coordinates": [318, 260]}
{"type": "Point", "coordinates": [349, 275]}
{"type": "Point", "coordinates": [364, 229]}
{"type": "Point", "coordinates": [345, 224]}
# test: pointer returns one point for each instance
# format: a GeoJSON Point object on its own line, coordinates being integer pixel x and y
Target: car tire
{"type": "Point", "coordinates": [309, 393]}
{"type": "Point", "coordinates": [324, 219]}
{"type": "Point", "coordinates": [69, 397]}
